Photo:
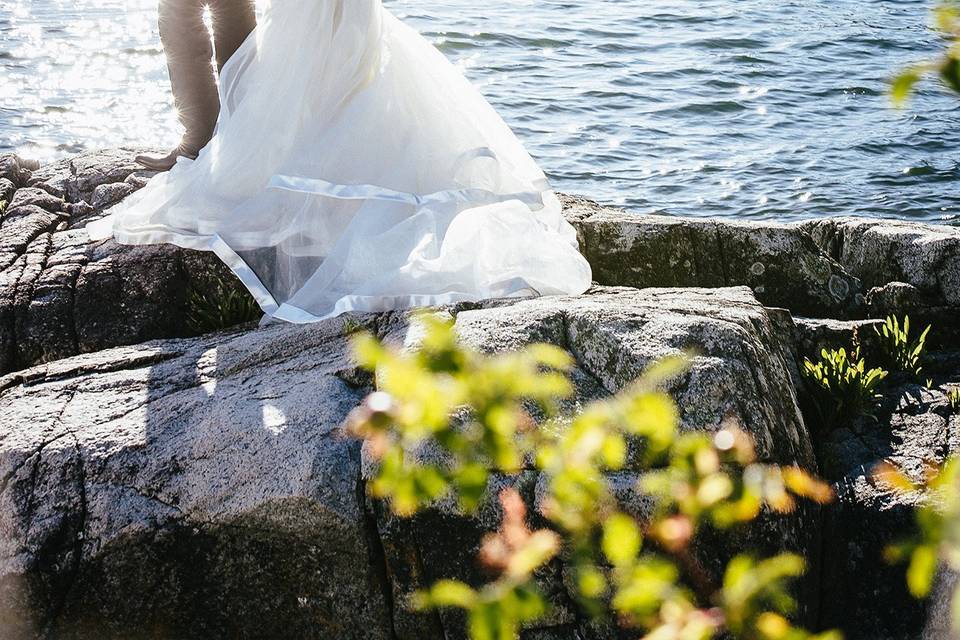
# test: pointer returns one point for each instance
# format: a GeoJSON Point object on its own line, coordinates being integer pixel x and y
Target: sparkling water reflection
{"type": "Point", "coordinates": [753, 108]}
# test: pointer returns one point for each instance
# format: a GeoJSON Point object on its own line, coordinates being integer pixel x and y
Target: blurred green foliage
{"type": "Point", "coordinates": [846, 387]}
{"type": "Point", "coordinates": [902, 353]}
{"type": "Point", "coordinates": [946, 66]}
{"type": "Point", "coordinates": [937, 541]}
{"type": "Point", "coordinates": [444, 418]}
{"type": "Point", "coordinates": [219, 304]}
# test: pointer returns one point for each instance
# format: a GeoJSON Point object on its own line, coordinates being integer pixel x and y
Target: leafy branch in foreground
{"type": "Point", "coordinates": [946, 66]}
{"type": "Point", "coordinates": [937, 541]}
{"type": "Point", "coordinates": [476, 412]}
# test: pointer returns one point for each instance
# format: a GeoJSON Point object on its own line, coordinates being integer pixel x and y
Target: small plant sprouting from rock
{"type": "Point", "coordinates": [953, 397]}
{"type": "Point", "coordinates": [219, 304]}
{"type": "Point", "coordinates": [473, 413]}
{"type": "Point", "coordinates": [844, 382]}
{"type": "Point", "coordinates": [902, 353]}
{"type": "Point", "coordinates": [351, 325]}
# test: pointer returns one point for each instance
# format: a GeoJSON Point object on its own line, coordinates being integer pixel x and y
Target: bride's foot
{"type": "Point", "coordinates": [164, 163]}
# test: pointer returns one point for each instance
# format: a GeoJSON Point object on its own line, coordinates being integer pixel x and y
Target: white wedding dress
{"type": "Point", "coordinates": [355, 168]}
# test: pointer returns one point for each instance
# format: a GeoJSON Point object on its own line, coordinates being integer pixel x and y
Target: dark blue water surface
{"type": "Point", "coordinates": [749, 108]}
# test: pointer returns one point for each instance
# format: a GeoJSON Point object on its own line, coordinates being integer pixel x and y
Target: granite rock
{"type": "Point", "coordinates": [61, 294]}
{"type": "Point", "coordinates": [779, 262]}
{"type": "Point", "coordinates": [202, 488]}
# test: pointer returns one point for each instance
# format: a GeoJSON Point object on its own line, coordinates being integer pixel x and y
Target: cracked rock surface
{"type": "Point", "coordinates": [187, 489]}
{"type": "Point", "coordinates": [60, 294]}
{"type": "Point", "coordinates": [202, 488]}
{"type": "Point", "coordinates": [883, 251]}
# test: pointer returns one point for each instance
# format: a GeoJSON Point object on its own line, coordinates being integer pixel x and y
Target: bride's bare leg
{"type": "Point", "coordinates": [189, 51]}
{"type": "Point", "coordinates": [233, 21]}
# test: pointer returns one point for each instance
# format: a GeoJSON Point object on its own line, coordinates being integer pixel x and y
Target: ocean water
{"type": "Point", "coordinates": [749, 108]}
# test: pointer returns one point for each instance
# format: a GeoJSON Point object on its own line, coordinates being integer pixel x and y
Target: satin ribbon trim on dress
{"type": "Point", "coordinates": [475, 197]}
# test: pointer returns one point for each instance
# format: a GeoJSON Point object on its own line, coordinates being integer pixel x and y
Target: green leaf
{"type": "Point", "coordinates": [484, 624]}
{"type": "Point", "coordinates": [448, 593]}
{"type": "Point", "coordinates": [737, 570]}
{"type": "Point", "coordinates": [528, 604]}
{"type": "Point", "coordinates": [551, 356]}
{"type": "Point", "coordinates": [665, 370]}
{"type": "Point", "coordinates": [591, 582]}
{"type": "Point", "coordinates": [621, 539]}
{"type": "Point", "coordinates": [946, 17]}
{"type": "Point", "coordinates": [430, 482]}
{"type": "Point", "coordinates": [367, 351]}
{"type": "Point", "coordinates": [471, 482]}
{"type": "Point", "coordinates": [950, 73]}
{"type": "Point", "coordinates": [902, 87]}
{"type": "Point", "coordinates": [536, 552]}
{"type": "Point", "coordinates": [652, 412]}
{"type": "Point", "coordinates": [922, 569]}
{"type": "Point", "coordinates": [614, 451]}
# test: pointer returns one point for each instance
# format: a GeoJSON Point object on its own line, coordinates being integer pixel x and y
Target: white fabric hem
{"type": "Point", "coordinates": [513, 288]}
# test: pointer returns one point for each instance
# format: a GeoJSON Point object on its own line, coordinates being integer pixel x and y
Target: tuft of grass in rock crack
{"type": "Point", "coordinates": [351, 326]}
{"type": "Point", "coordinates": [845, 386]}
{"type": "Point", "coordinates": [953, 396]}
{"type": "Point", "coordinates": [220, 303]}
{"type": "Point", "coordinates": [902, 353]}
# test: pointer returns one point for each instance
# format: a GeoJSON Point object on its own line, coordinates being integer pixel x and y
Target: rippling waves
{"type": "Point", "coordinates": [752, 108]}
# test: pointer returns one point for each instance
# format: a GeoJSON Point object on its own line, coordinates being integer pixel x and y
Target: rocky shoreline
{"type": "Point", "coordinates": [157, 484]}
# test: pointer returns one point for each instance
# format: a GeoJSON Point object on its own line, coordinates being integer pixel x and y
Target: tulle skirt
{"type": "Point", "coordinates": [354, 168]}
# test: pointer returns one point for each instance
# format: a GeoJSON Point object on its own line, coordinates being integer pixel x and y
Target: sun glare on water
{"type": "Point", "coordinates": [62, 81]}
